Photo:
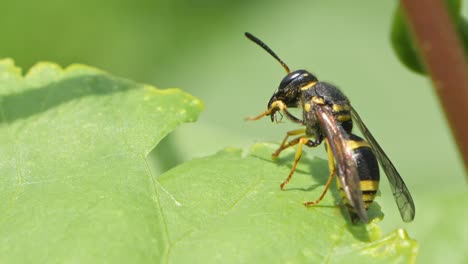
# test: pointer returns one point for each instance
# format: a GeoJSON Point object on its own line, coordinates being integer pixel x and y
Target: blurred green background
{"type": "Point", "coordinates": [199, 46]}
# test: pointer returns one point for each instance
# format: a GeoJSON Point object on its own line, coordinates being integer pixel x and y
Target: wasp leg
{"type": "Point", "coordinates": [295, 141]}
{"type": "Point", "coordinates": [292, 117]}
{"type": "Point", "coordinates": [260, 116]}
{"type": "Point", "coordinates": [285, 145]}
{"type": "Point", "coordinates": [299, 142]}
{"type": "Point", "coordinates": [275, 106]}
{"type": "Point", "coordinates": [331, 166]}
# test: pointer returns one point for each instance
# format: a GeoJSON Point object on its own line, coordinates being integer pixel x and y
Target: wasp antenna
{"type": "Point", "coordinates": [265, 47]}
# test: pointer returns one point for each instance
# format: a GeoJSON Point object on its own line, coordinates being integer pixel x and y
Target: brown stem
{"type": "Point", "coordinates": [445, 61]}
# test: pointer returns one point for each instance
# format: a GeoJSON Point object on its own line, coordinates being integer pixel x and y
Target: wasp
{"type": "Point", "coordinates": [327, 115]}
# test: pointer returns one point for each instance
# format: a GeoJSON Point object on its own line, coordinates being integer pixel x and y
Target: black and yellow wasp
{"type": "Point", "coordinates": [328, 115]}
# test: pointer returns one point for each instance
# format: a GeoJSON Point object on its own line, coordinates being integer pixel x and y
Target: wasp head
{"type": "Point", "coordinates": [290, 89]}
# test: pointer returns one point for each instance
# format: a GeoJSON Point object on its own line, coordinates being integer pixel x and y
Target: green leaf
{"type": "Point", "coordinates": [75, 186]}
{"type": "Point", "coordinates": [228, 208]}
{"type": "Point", "coordinates": [444, 214]}
{"type": "Point", "coordinates": [403, 43]}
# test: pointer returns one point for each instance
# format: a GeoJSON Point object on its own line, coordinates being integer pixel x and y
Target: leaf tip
{"type": "Point", "coordinates": [8, 68]}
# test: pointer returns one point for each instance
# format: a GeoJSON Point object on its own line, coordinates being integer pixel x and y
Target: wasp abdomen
{"type": "Point", "coordinates": [368, 171]}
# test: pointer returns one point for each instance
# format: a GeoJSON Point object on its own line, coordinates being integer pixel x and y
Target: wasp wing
{"type": "Point", "coordinates": [401, 193]}
{"type": "Point", "coordinates": [347, 167]}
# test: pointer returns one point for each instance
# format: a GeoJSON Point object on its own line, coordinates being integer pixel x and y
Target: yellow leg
{"type": "Point", "coordinates": [285, 145]}
{"type": "Point", "coordinates": [275, 106]}
{"type": "Point", "coordinates": [300, 141]}
{"type": "Point", "coordinates": [260, 116]}
{"type": "Point", "coordinates": [331, 166]}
